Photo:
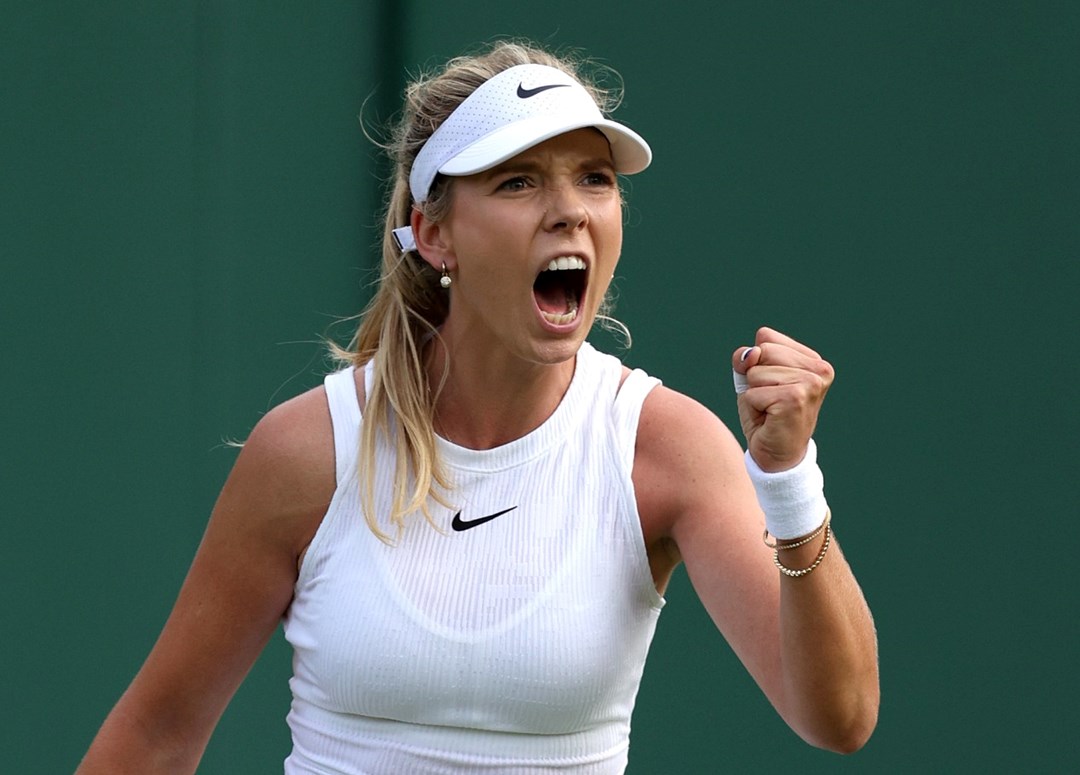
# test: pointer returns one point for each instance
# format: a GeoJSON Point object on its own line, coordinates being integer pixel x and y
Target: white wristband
{"type": "Point", "coordinates": [793, 500]}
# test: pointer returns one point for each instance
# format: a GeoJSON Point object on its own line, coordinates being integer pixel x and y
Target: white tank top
{"type": "Point", "coordinates": [512, 638]}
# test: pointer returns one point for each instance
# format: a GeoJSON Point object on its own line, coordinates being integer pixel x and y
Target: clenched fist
{"type": "Point", "coordinates": [786, 383]}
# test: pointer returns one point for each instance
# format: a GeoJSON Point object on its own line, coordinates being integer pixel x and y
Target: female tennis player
{"type": "Point", "coordinates": [469, 528]}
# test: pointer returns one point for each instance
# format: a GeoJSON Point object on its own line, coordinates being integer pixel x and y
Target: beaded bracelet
{"type": "Point", "coordinates": [801, 541]}
{"type": "Point", "coordinates": [804, 571]}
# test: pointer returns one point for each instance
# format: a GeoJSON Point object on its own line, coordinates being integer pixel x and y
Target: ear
{"type": "Point", "coordinates": [432, 242]}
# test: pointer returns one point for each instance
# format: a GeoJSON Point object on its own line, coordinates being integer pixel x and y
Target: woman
{"type": "Point", "coordinates": [526, 498]}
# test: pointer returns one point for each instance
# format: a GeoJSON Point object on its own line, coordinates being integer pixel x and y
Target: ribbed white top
{"type": "Point", "coordinates": [515, 645]}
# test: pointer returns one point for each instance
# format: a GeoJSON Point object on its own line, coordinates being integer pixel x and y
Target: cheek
{"type": "Point", "coordinates": [477, 247]}
{"type": "Point", "coordinates": [486, 260]}
{"type": "Point", "coordinates": [609, 234]}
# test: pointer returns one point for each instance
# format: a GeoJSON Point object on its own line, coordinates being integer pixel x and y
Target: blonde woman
{"type": "Point", "coordinates": [468, 529]}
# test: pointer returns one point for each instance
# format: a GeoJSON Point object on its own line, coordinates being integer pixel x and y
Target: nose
{"type": "Point", "coordinates": [566, 211]}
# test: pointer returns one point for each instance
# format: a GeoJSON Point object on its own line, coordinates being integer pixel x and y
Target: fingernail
{"type": "Point", "coordinates": [745, 354]}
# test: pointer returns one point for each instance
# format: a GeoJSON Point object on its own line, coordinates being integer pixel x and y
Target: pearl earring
{"type": "Point", "coordinates": [445, 280]}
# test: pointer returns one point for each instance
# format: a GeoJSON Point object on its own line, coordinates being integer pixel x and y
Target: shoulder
{"type": "Point", "coordinates": [686, 461]}
{"type": "Point", "coordinates": [285, 472]}
{"type": "Point", "coordinates": [296, 435]}
{"type": "Point", "coordinates": [678, 433]}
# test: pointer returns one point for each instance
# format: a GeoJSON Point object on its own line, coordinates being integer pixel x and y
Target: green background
{"type": "Point", "coordinates": [189, 204]}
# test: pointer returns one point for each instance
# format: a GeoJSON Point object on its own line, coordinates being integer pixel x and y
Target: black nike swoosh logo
{"type": "Point", "coordinates": [526, 93]}
{"type": "Point", "coordinates": [460, 524]}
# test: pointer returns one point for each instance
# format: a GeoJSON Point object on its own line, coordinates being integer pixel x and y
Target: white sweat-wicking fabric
{"type": "Point", "coordinates": [512, 646]}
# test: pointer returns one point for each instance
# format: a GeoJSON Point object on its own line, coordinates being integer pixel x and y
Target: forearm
{"type": "Point", "coordinates": [126, 743]}
{"type": "Point", "coordinates": [828, 650]}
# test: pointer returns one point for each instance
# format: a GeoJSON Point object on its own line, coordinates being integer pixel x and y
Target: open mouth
{"type": "Point", "coordinates": [559, 288]}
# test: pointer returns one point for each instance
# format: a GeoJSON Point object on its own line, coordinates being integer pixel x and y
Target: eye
{"type": "Point", "coordinates": [599, 178]}
{"type": "Point", "coordinates": [516, 183]}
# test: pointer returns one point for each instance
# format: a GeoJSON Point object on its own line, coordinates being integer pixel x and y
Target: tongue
{"type": "Point", "coordinates": [553, 299]}
{"type": "Point", "coordinates": [554, 296]}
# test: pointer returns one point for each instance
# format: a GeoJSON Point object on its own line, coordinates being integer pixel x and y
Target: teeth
{"type": "Point", "coordinates": [565, 262]}
{"type": "Point", "coordinates": [564, 318]}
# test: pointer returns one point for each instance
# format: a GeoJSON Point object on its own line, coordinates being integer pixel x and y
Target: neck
{"type": "Point", "coordinates": [491, 398]}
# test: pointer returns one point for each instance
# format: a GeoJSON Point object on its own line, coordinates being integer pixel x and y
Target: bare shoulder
{"type": "Point", "coordinates": [285, 474]}
{"type": "Point", "coordinates": [296, 435]}
{"type": "Point", "coordinates": [684, 457]}
{"type": "Point", "coordinates": [668, 414]}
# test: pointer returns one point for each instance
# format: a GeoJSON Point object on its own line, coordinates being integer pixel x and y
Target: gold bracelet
{"type": "Point", "coordinates": [801, 541]}
{"type": "Point", "coordinates": [804, 571]}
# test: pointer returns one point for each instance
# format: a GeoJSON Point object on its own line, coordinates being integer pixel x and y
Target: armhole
{"type": "Point", "coordinates": [344, 403]}
{"type": "Point", "coordinates": [626, 411]}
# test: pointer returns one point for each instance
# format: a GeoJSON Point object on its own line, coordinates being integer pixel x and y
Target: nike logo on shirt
{"type": "Point", "coordinates": [460, 524]}
{"type": "Point", "coordinates": [526, 93]}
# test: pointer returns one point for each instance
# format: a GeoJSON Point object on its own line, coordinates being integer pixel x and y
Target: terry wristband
{"type": "Point", "coordinates": [793, 500]}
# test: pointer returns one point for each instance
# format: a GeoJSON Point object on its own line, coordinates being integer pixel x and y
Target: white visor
{"type": "Point", "coordinates": [512, 111]}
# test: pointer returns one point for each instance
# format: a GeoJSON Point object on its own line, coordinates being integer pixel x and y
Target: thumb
{"type": "Point", "coordinates": [745, 358]}
{"type": "Point", "coordinates": [741, 362]}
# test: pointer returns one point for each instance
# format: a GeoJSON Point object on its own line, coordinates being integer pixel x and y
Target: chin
{"type": "Point", "coordinates": [555, 350]}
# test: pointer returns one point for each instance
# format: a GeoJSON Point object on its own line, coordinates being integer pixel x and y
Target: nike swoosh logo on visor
{"type": "Point", "coordinates": [526, 93]}
{"type": "Point", "coordinates": [460, 524]}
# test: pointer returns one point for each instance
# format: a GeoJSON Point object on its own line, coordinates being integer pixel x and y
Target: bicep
{"type": "Point", "coordinates": [698, 483]}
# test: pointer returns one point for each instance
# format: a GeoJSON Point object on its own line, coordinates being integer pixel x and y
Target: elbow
{"type": "Point", "coordinates": [851, 740]}
{"type": "Point", "coordinates": [848, 733]}
{"type": "Point", "coordinates": [841, 723]}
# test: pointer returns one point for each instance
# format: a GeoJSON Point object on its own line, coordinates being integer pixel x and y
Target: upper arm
{"type": "Point", "coordinates": [693, 491]}
{"type": "Point", "coordinates": [239, 585]}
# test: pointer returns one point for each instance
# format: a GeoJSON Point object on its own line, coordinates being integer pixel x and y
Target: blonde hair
{"type": "Point", "coordinates": [409, 304]}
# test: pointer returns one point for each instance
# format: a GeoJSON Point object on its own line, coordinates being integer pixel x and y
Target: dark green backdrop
{"type": "Point", "coordinates": [189, 203]}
